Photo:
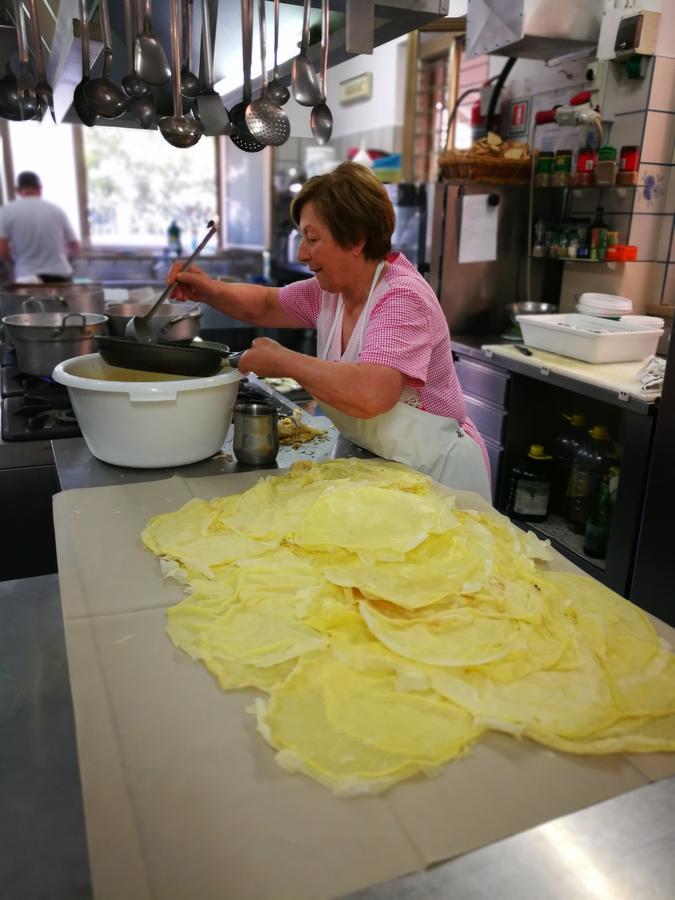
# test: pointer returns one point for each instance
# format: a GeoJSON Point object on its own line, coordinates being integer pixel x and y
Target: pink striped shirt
{"type": "Point", "coordinates": [407, 331]}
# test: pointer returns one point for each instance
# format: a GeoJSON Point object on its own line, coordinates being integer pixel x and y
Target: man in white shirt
{"type": "Point", "coordinates": [36, 235]}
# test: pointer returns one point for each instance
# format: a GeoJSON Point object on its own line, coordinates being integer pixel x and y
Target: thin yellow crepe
{"type": "Point", "coordinates": [356, 733]}
{"type": "Point", "coordinates": [388, 629]}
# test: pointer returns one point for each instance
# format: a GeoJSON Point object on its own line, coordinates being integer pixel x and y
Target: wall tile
{"type": "Point", "coordinates": [669, 288]}
{"type": "Point", "coordinates": [651, 234]}
{"type": "Point", "coordinates": [669, 205]}
{"type": "Point", "coordinates": [657, 146]}
{"type": "Point", "coordinates": [627, 130]}
{"type": "Point", "coordinates": [642, 282]}
{"type": "Point", "coordinates": [662, 95]}
{"type": "Point", "coordinates": [652, 194]}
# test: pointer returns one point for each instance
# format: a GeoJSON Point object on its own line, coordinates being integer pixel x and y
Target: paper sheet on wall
{"type": "Point", "coordinates": [478, 234]}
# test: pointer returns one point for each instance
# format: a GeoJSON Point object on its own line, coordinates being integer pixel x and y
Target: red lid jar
{"type": "Point", "coordinates": [585, 167]}
{"type": "Point", "coordinates": [629, 165]}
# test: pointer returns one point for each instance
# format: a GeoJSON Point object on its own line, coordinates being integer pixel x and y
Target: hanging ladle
{"type": "Point", "coordinates": [141, 98]}
{"type": "Point", "coordinates": [10, 106]}
{"type": "Point", "coordinates": [179, 130]}
{"type": "Point", "coordinates": [83, 107]}
{"type": "Point", "coordinates": [304, 81]}
{"type": "Point", "coordinates": [276, 91]}
{"type": "Point", "coordinates": [132, 84]}
{"type": "Point", "coordinates": [106, 98]}
{"type": "Point", "coordinates": [190, 85]}
{"type": "Point", "coordinates": [266, 121]}
{"type": "Point", "coordinates": [209, 107]}
{"type": "Point", "coordinates": [43, 89]}
{"type": "Point", "coordinates": [150, 62]}
{"type": "Point", "coordinates": [138, 327]}
{"type": "Point", "coordinates": [321, 118]}
{"type": "Point", "coordinates": [28, 102]}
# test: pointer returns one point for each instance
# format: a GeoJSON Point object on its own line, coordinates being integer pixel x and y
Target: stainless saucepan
{"type": "Point", "coordinates": [63, 297]}
{"type": "Point", "coordinates": [174, 322]}
{"type": "Point", "coordinates": [43, 340]}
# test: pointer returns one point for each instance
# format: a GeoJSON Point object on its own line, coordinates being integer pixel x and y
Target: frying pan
{"type": "Point", "coordinates": [199, 359]}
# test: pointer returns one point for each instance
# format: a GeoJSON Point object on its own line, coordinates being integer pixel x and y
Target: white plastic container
{"type": "Point", "coordinates": [145, 419]}
{"type": "Point", "coordinates": [589, 338]}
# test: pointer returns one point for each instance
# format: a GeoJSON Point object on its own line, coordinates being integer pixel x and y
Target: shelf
{"type": "Point", "coordinates": [566, 541]}
{"type": "Point", "coordinates": [594, 262]}
{"type": "Point", "coordinates": [587, 187]}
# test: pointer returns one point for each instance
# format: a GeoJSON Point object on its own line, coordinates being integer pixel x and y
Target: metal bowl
{"type": "Point", "coordinates": [529, 309]}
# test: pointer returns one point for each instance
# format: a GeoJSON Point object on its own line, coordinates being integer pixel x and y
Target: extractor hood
{"type": "Point", "coordinates": [532, 29]}
{"type": "Point", "coordinates": [390, 19]}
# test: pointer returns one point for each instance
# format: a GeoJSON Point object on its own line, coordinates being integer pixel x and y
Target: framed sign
{"type": "Point", "coordinates": [519, 116]}
{"type": "Point", "coordinates": [358, 88]}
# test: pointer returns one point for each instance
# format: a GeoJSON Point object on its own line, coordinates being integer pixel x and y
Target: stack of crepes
{"type": "Point", "coordinates": [389, 629]}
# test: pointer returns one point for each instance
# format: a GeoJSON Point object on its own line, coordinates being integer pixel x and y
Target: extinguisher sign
{"type": "Point", "coordinates": [519, 116]}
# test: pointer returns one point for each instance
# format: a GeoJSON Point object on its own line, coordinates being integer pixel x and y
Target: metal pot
{"type": "Point", "coordinates": [63, 297]}
{"type": "Point", "coordinates": [529, 308]}
{"type": "Point", "coordinates": [172, 321]}
{"type": "Point", "coordinates": [42, 340]}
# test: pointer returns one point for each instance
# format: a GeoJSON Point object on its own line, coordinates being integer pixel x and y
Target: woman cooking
{"type": "Point", "coordinates": [384, 372]}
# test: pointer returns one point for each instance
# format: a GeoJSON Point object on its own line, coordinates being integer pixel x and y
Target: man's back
{"type": "Point", "coordinates": [39, 234]}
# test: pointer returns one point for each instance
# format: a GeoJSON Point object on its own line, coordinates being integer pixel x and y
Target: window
{"type": "Point", "coordinates": [55, 165]}
{"type": "Point", "coordinates": [137, 184]}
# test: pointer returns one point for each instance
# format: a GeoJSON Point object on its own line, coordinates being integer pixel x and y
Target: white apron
{"type": "Point", "coordinates": [434, 445]}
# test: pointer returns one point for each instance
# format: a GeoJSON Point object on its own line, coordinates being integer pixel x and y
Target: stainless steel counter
{"type": "Point", "coordinates": [618, 850]}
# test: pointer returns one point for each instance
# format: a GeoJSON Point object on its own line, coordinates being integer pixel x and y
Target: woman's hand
{"type": "Point", "coordinates": [190, 284]}
{"type": "Point", "coordinates": [266, 358]}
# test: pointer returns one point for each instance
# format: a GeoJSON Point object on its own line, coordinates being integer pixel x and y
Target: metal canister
{"type": "Point", "coordinates": [256, 434]}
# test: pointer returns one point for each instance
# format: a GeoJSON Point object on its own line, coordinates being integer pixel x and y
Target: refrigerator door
{"type": "Point", "coordinates": [474, 295]}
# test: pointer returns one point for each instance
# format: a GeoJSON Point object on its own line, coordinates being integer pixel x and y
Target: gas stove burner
{"type": "Point", "coordinates": [35, 388]}
{"type": "Point", "coordinates": [25, 419]}
{"type": "Point", "coordinates": [7, 355]}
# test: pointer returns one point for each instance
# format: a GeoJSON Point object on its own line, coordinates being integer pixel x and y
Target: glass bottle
{"type": "Point", "coordinates": [591, 461]}
{"type": "Point", "coordinates": [598, 229]}
{"type": "Point", "coordinates": [596, 536]}
{"type": "Point", "coordinates": [173, 235]}
{"type": "Point", "coordinates": [531, 486]}
{"type": "Point", "coordinates": [565, 446]}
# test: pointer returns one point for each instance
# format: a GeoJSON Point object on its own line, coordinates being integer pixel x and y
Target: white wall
{"type": "Point", "coordinates": [385, 107]}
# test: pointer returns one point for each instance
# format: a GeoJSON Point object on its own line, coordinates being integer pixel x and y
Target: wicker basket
{"type": "Point", "coordinates": [495, 170]}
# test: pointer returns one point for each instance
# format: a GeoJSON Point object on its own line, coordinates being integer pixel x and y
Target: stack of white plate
{"type": "Point", "coordinates": [606, 306]}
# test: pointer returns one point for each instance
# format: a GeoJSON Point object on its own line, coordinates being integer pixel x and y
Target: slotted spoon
{"type": "Point", "coordinates": [266, 121]}
{"type": "Point", "coordinates": [240, 136]}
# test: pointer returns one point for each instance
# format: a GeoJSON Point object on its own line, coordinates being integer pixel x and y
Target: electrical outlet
{"type": "Point", "coordinates": [596, 81]}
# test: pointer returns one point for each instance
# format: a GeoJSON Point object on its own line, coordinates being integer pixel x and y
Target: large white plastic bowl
{"type": "Point", "coordinates": [146, 419]}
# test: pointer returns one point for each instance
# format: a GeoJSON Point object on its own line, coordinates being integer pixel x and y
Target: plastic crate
{"type": "Point", "coordinates": [589, 338]}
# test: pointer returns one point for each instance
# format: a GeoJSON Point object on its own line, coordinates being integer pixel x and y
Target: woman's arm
{"type": "Point", "coordinates": [252, 303]}
{"type": "Point", "coordinates": [362, 390]}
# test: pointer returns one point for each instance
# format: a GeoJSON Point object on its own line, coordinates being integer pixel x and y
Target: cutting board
{"type": "Point", "coordinates": [620, 378]}
{"type": "Point", "coordinates": [182, 796]}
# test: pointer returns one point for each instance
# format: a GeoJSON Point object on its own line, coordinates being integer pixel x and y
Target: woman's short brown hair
{"type": "Point", "coordinates": [354, 205]}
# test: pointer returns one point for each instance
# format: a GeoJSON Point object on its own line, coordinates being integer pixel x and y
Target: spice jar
{"type": "Point", "coordinates": [629, 165]}
{"type": "Point", "coordinates": [544, 170]}
{"type": "Point", "coordinates": [585, 167]}
{"type": "Point", "coordinates": [605, 171]}
{"type": "Point", "coordinates": [562, 169]}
